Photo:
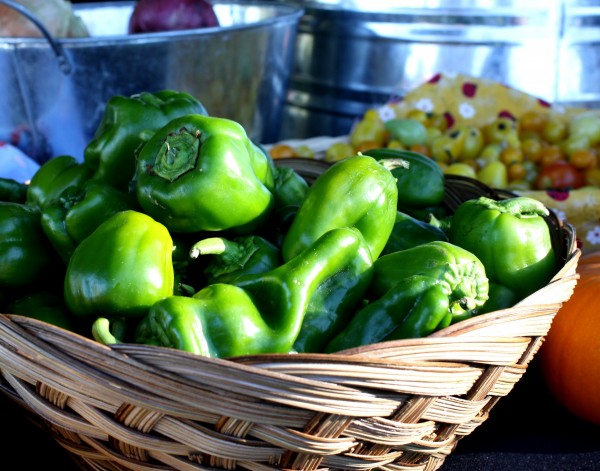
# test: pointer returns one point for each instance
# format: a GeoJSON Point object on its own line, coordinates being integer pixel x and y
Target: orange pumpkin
{"type": "Point", "coordinates": [570, 355]}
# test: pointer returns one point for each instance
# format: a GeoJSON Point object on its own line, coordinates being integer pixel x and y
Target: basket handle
{"type": "Point", "coordinates": [63, 61]}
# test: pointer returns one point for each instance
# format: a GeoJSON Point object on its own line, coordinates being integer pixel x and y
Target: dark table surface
{"type": "Point", "coordinates": [526, 431]}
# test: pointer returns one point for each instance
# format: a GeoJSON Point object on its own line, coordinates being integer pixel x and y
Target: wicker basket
{"type": "Point", "coordinates": [400, 405]}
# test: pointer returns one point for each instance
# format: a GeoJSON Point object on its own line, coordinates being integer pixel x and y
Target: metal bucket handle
{"type": "Point", "coordinates": [63, 61]}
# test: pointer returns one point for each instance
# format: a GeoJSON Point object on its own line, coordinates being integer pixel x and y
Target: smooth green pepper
{"type": "Point", "coordinates": [13, 191]}
{"type": "Point", "coordinates": [78, 211]}
{"type": "Point", "coordinates": [356, 192]}
{"type": "Point", "coordinates": [260, 313]}
{"type": "Point", "coordinates": [199, 173]}
{"type": "Point", "coordinates": [511, 238]}
{"type": "Point", "coordinates": [409, 232]}
{"type": "Point", "coordinates": [415, 292]}
{"type": "Point", "coordinates": [126, 124]}
{"type": "Point", "coordinates": [53, 177]}
{"type": "Point", "coordinates": [121, 269]}
{"type": "Point", "coordinates": [421, 184]}
{"type": "Point", "coordinates": [500, 297]}
{"type": "Point", "coordinates": [45, 305]}
{"type": "Point", "coordinates": [231, 258]}
{"type": "Point", "coordinates": [26, 256]}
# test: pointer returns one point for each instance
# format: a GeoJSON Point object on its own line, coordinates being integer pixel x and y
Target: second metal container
{"type": "Point", "coordinates": [355, 54]}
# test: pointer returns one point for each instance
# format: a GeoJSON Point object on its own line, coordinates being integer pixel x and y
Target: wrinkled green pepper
{"type": "Point", "coordinates": [260, 313]}
{"type": "Point", "coordinates": [511, 238]}
{"type": "Point", "coordinates": [416, 292]}
{"type": "Point", "coordinates": [420, 184]}
{"type": "Point", "coordinates": [78, 211]}
{"type": "Point", "coordinates": [231, 258]}
{"type": "Point", "coordinates": [201, 173]}
{"type": "Point", "coordinates": [12, 191]}
{"type": "Point", "coordinates": [121, 269]}
{"type": "Point", "coordinates": [45, 305]}
{"type": "Point", "coordinates": [53, 177]}
{"type": "Point", "coordinates": [409, 232]}
{"type": "Point", "coordinates": [358, 191]}
{"type": "Point", "coordinates": [26, 256]}
{"type": "Point", "coordinates": [126, 124]}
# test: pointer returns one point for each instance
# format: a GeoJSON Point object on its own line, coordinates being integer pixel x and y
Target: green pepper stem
{"type": "Point", "coordinates": [102, 329]}
{"type": "Point", "coordinates": [177, 155]}
{"type": "Point", "coordinates": [519, 206]}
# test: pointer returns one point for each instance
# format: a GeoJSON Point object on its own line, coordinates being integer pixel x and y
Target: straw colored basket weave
{"type": "Point", "coordinates": [400, 405]}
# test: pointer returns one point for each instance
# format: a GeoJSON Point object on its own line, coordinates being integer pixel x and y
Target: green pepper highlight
{"type": "Point", "coordinates": [416, 292]}
{"type": "Point", "coordinates": [356, 192]}
{"type": "Point", "coordinates": [511, 238]}
{"type": "Point", "coordinates": [121, 269]}
{"type": "Point", "coordinates": [127, 123]}
{"type": "Point", "coordinates": [199, 173]}
{"type": "Point", "coordinates": [258, 313]}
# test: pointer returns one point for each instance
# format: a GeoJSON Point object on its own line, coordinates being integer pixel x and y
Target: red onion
{"type": "Point", "coordinates": [171, 15]}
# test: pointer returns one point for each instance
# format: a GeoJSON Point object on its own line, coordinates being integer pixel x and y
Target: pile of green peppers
{"type": "Point", "coordinates": [177, 230]}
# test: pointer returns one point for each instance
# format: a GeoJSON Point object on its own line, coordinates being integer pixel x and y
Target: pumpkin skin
{"type": "Point", "coordinates": [570, 355]}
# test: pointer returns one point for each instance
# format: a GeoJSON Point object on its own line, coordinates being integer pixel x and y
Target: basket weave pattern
{"type": "Point", "coordinates": [399, 405]}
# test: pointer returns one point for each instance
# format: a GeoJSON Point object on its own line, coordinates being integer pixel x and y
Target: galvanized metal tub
{"type": "Point", "coordinates": [355, 54]}
{"type": "Point", "coordinates": [51, 101]}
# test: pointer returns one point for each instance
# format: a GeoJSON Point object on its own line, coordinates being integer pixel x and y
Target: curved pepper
{"type": "Point", "coordinates": [121, 269]}
{"type": "Point", "coordinates": [511, 238]}
{"type": "Point", "coordinates": [126, 124]}
{"type": "Point", "coordinates": [356, 192]}
{"type": "Point", "coordinates": [198, 173]}
{"type": "Point", "coordinates": [78, 211]}
{"type": "Point", "coordinates": [241, 255]}
{"type": "Point", "coordinates": [260, 313]}
{"type": "Point", "coordinates": [25, 253]}
{"type": "Point", "coordinates": [420, 184]}
{"type": "Point", "coordinates": [53, 177]}
{"type": "Point", "coordinates": [415, 292]}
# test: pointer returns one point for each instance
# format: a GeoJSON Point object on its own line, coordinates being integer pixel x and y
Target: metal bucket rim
{"type": "Point", "coordinates": [284, 14]}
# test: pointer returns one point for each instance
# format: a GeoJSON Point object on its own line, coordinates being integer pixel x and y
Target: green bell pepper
{"type": "Point", "coordinates": [78, 211]}
{"type": "Point", "coordinates": [45, 305]}
{"type": "Point", "coordinates": [290, 187]}
{"type": "Point", "coordinates": [13, 191]}
{"type": "Point", "coordinates": [259, 313]}
{"type": "Point", "coordinates": [409, 231]}
{"type": "Point", "coordinates": [358, 191]}
{"type": "Point", "coordinates": [231, 258]}
{"type": "Point", "coordinates": [26, 256]}
{"type": "Point", "coordinates": [500, 297]}
{"type": "Point", "coordinates": [511, 238]}
{"type": "Point", "coordinates": [420, 184]}
{"type": "Point", "coordinates": [121, 269]}
{"type": "Point", "coordinates": [415, 292]}
{"type": "Point", "coordinates": [201, 173]}
{"type": "Point", "coordinates": [126, 124]}
{"type": "Point", "coordinates": [53, 177]}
